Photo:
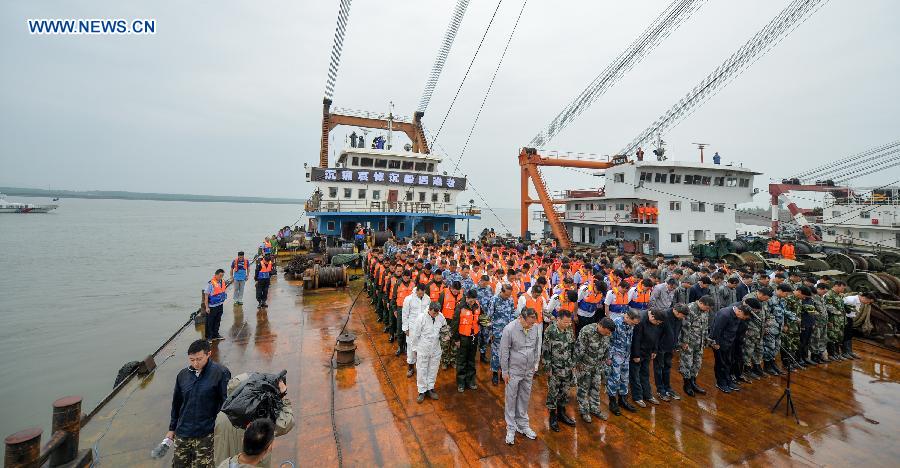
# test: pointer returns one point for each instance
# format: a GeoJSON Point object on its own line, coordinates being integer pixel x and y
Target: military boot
{"type": "Point", "coordinates": [688, 389]}
{"type": "Point", "coordinates": [495, 379]}
{"type": "Point", "coordinates": [778, 371]}
{"type": "Point", "coordinates": [697, 387]}
{"type": "Point", "coordinates": [554, 424]}
{"type": "Point", "coordinates": [614, 406]}
{"type": "Point", "coordinates": [563, 417]}
{"type": "Point", "coordinates": [484, 358]}
{"type": "Point", "coordinates": [758, 370]}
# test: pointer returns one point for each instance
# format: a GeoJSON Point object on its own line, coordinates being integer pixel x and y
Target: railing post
{"type": "Point", "coordinates": [23, 449]}
{"type": "Point", "coordinates": [66, 418]}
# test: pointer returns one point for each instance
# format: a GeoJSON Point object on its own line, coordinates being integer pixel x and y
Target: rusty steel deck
{"type": "Point", "coordinates": [848, 410]}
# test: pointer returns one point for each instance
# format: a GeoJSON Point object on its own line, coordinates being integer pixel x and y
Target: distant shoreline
{"type": "Point", "coordinates": [122, 195]}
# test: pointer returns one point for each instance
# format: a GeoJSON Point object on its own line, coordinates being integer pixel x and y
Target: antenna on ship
{"type": "Point", "coordinates": [701, 146]}
{"type": "Point", "coordinates": [390, 120]}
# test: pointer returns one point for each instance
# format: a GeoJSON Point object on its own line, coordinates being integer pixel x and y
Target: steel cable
{"type": "Point", "coordinates": [436, 69]}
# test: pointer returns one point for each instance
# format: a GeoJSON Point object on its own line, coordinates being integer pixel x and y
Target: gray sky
{"type": "Point", "coordinates": [226, 97]}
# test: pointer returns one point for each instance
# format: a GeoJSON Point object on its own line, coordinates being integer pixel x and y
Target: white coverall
{"type": "Point", "coordinates": [425, 338]}
{"type": "Point", "coordinates": [413, 307]}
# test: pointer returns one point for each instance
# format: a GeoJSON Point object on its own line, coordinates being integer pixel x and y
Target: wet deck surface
{"type": "Point", "coordinates": [848, 410]}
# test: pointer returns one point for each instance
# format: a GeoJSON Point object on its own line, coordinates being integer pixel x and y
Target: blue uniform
{"type": "Point", "coordinates": [620, 354]}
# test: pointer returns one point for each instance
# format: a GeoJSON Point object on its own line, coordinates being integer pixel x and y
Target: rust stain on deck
{"type": "Point", "coordinates": [848, 408]}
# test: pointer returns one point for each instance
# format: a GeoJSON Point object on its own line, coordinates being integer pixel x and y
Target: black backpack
{"type": "Point", "coordinates": [257, 397]}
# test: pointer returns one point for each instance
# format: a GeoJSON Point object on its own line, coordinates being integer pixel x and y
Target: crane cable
{"type": "Point", "coordinates": [665, 23]}
{"type": "Point", "coordinates": [436, 69]}
{"type": "Point", "coordinates": [466, 75]}
{"type": "Point", "coordinates": [828, 167]}
{"type": "Point", "coordinates": [791, 17]}
{"type": "Point", "coordinates": [339, 31]}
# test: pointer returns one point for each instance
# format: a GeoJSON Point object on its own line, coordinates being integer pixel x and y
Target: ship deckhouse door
{"type": "Point", "coordinates": [392, 198]}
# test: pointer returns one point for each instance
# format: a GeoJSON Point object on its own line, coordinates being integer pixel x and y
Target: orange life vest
{"type": "Point", "coordinates": [468, 321]}
{"type": "Point", "coordinates": [434, 291]}
{"type": "Point", "coordinates": [774, 247]}
{"type": "Point", "coordinates": [536, 304]}
{"type": "Point", "coordinates": [404, 290]}
{"type": "Point", "coordinates": [449, 305]}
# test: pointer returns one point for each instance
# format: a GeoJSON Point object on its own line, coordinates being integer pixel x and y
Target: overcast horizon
{"type": "Point", "coordinates": [226, 97]}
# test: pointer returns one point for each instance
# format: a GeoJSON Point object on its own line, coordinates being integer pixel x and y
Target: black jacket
{"type": "Point", "coordinates": [725, 327]}
{"type": "Point", "coordinates": [197, 400]}
{"type": "Point", "coordinates": [645, 338]}
{"type": "Point", "coordinates": [671, 332]}
{"type": "Point", "coordinates": [696, 292]}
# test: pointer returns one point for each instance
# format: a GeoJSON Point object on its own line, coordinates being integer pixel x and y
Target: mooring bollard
{"type": "Point", "coordinates": [66, 419]}
{"type": "Point", "coordinates": [346, 349]}
{"type": "Point", "coordinates": [23, 448]}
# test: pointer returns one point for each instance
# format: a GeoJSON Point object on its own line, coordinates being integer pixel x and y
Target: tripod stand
{"type": "Point", "coordinates": [786, 396]}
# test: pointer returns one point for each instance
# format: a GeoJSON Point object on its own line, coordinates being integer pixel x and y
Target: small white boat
{"type": "Point", "coordinates": [14, 207]}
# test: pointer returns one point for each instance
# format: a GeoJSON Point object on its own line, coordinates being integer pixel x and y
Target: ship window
{"type": "Point", "coordinates": [619, 177]}
{"type": "Point", "coordinates": [660, 178]}
{"type": "Point", "coordinates": [376, 194]}
{"type": "Point", "coordinates": [393, 164]}
{"type": "Point", "coordinates": [591, 207]}
{"type": "Point", "coordinates": [830, 232]}
{"type": "Point", "coordinates": [731, 182]}
{"type": "Point", "coordinates": [421, 196]}
{"type": "Point", "coordinates": [420, 166]}
{"type": "Point", "coordinates": [646, 176]}
{"type": "Point", "coordinates": [577, 206]}
{"type": "Point", "coordinates": [355, 161]}
{"type": "Point", "coordinates": [409, 196]}
{"type": "Point", "coordinates": [446, 198]}
{"type": "Point", "coordinates": [382, 163]}
{"type": "Point", "coordinates": [864, 214]}
{"type": "Point", "coordinates": [362, 194]}
{"type": "Point", "coordinates": [366, 162]}
{"type": "Point", "coordinates": [674, 206]}
{"type": "Point", "coordinates": [705, 180]}
{"type": "Point", "coordinates": [719, 182]}
{"type": "Point", "coordinates": [401, 227]}
{"type": "Point", "coordinates": [675, 237]}
{"type": "Point", "coordinates": [407, 165]}
{"type": "Point", "coordinates": [674, 178]}
{"type": "Point", "coordinates": [863, 235]}
{"type": "Point", "coordinates": [745, 182]}
{"type": "Point", "coordinates": [348, 193]}
{"type": "Point", "coordinates": [620, 206]}
{"type": "Point", "coordinates": [645, 236]}
{"type": "Point", "coordinates": [332, 192]}
{"type": "Point", "coordinates": [719, 208]}
{"type": "Point", "coordinates": [329, 226]}
{"type": "Point", "coordinates": [445, 227]}
{"type": "Point", "coordinates": [698, 206]}
{"type": "Point", "coordinates": [430, 167]}
{"type": "Point", "coordinates": [601, 207]}
{"type": "Point", "coordinates": [835, 214]}
{"type": "Point", "coordinates": [434, 197]}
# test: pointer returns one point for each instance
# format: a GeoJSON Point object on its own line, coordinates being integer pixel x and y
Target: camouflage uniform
{"type": "Point", "coordinates": [753, 338]}
{"type": "Point", "coordinates": [834, 304]}
{"type": "Point", "coordinates": [591, 354]}
{"type": "Point", "coordinates": [791, 330]}
{"type": "Point", "coordinates": [484, 299]}
{"type": "Point", "coordinates": [819, 337]}
{"type": "Point", "coordinates": [193, 452]}
{"type": "Point", "coordinates": [773, 324]}
{"type": "Point", "coordinates": [500, 312]}
{"type": "Point", "coordinates": [695, 334]}
{"type": "Point", "coordinates": [619, 354]}
{"type": "Point", "coordinates": [558, 355]}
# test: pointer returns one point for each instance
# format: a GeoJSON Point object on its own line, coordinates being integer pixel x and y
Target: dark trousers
{"type": "Point", "coordinates": [585, 321]}
{"type": "Point", "coordinates": [465, 360]}
{"type": "Point", "coordinates": [848, 335]}
{"type": "Point", "coordinates": [723, 358]}
{"type": "Point", "coordinates": [213, 320]}
{"type": "Point", "coordinates": [394, 321]}
{"type": "Point", "coordinates": [737, 361]}
{"type": "Point", "coordinates": [639, 377]}
{"type": "Point", "coordinates": [262, 290]}
{"type": "Point", "coordinates": [662, 368]}
{"type": "Point", "coordinates": [805, 335]}
{"type": "Point", "coordinates": [398, 330]}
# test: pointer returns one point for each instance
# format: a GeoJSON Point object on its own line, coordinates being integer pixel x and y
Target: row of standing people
{"type": "Point", "coordinates": [454, 302]}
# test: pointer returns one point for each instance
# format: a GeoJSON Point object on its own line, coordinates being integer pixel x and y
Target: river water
{"type": "Point", "coordinates": [98, 283]}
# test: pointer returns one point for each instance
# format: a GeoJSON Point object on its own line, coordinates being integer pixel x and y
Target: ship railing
{"type": "Point", "coordinates": [380, 206]}
{"type": "Point", "coordinates": [370, 115]}
{"type": "Point", "coordinates": [870, 201]}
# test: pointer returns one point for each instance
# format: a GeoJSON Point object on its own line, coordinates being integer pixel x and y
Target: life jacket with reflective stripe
{"type": "Point", "coordinates": [239, 268]}
{"type": "Point", "coordinates": [404, 290]}
{"type": "Point", "coordinates": [218, 295]}
{"type": "Point", "coordinates": [265, 269]}
{"type": "Point", "coordinates": [391, 284]}
{"type": "Point", "coordinates": [468, 321]}
{"type": "Point", "coordinates": [620, 303]}
{"type": "Point", "coordinates": [641, 298]}
{"type": "Point", "coordinates": [449, 305]}
{"type": "Point", "coordinates": [434, 291]}
{"type": "Point", "coordinates": [267, 247]}
{"type": "Point", "coordinates": [566, 304]}
{"type": "Point", "coordinates": [591, 300]}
